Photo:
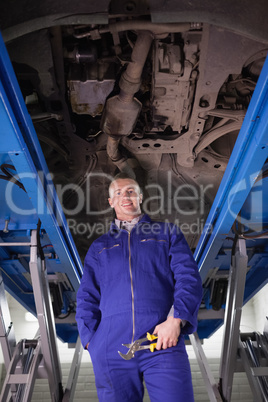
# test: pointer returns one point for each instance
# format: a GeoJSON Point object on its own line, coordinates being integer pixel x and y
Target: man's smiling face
{"type": "Point", "coordinates": [125, 198]}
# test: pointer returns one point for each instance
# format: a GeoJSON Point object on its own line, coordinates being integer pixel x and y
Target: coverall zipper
{"type": "Point", "coordinates": [132, 290]}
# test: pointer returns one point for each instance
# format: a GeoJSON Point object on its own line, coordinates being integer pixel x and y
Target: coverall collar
{"type": "Point", "coordinates": [114, 228]}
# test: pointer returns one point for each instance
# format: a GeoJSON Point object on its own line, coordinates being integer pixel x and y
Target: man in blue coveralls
{"type": "Point", "coordinates": [133, 275]}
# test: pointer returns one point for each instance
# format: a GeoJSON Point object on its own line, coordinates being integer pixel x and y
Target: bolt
{"type": "Point", "coordinates": [5, 230]}
{"type": "Point", "coordinates": [130, 6]}
{"type": "Point", "coordinates": [195, 136]}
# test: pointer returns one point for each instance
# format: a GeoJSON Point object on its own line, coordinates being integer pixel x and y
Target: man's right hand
{"type": "Point", "coordinates": [168, 333]}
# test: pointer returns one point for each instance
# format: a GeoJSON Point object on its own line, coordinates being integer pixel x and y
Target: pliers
{"type": "Point", "coordinates": [136, 346]}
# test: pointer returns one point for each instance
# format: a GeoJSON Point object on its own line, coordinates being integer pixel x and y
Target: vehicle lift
{"type": "Point", "coordinates": [38, 258]}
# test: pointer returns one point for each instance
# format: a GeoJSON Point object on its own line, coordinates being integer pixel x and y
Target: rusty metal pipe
{"type": "Point", "coordinates": [131, 78]}
{"type": "Point", "coordinates": [121, 111]}
{"type": "Point", "coordinates": [112, 149]}
{"type": "Point", "coordinates": [139, 25]}
{"type": "Point", "coordinates": [116, 157]}
{"type": "Point", "coordinates": [120, 26]}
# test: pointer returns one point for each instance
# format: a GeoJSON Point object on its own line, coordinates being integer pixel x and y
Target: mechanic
{"type": "Point", "coordinates": [133, 275]}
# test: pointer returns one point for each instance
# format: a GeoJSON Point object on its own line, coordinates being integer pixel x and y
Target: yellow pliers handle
{"type": "Point", "coordinates": [151, 337]}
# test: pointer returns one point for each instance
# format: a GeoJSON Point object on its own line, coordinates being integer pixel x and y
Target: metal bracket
{"type": "Point", "coordinates": [253, 351]}
{"type": "Point", "coordinates": [7, 335]}
{"type": "Point", "coordinates": [22, 371]}
{"type": "Point", "coordinates": [37, 358]}
{"type": "Point", "coordinates": [73, 375]}
{"type": "Point", "coordinates": [46, 320]}
{"type": "Point", "coordinates": [21, 383]}
{"type": "Point", "coordinates": [211, 386]}
{"type": "Point", "coordinates": [234, 303]}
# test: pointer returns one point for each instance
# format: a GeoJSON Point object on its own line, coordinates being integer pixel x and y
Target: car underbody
{"type": "Point", "coordinates": [158, 91]}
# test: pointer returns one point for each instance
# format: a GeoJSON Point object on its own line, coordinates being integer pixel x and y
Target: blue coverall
{"type": "Point", "coordinates": [129, 284]}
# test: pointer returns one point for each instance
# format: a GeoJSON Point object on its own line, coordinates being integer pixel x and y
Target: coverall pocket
{"type": "Point", "coordinates": [110, 262]}
{"type": "Point", "coordinates": [96, 341]}
{"type": "Point", "coordinates": [156, 251]}
{"type": "Point", "coordinates": [91, 343]}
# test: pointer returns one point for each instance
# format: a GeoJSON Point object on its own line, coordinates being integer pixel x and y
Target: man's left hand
{"type": "Point", "coordinates": [168, 333]}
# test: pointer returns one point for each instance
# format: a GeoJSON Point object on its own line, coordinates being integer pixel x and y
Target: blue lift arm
{"type": "Point", "coordinates": [242, 197]}
{"type": "Point", "coordinates": [27, 196]}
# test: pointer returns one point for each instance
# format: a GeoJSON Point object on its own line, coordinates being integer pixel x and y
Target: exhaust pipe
{"type": "Point", "coordinates": [122, 111]}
